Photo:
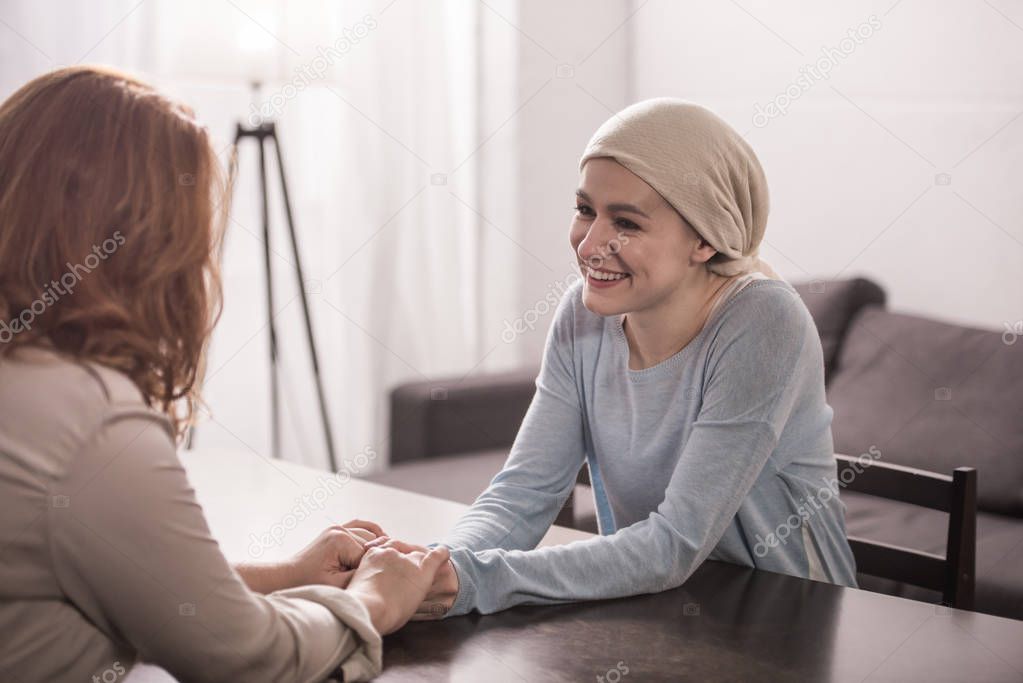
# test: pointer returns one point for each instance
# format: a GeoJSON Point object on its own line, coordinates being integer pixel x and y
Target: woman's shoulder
{"type": "Point", "coordinates": [46, 395]}
{"type": "Point", "coordinates": [77, 378]}
{"type": "Point", "coordinates": [765, 317]}
{"type": "Point", "coordinates": [768, 302]}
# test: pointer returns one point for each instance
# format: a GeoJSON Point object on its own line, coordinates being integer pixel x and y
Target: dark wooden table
{"type": "Point", "coordinates": [727, 623]}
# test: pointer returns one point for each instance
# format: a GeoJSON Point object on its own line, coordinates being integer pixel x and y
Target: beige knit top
{"type": "Point", "coordinates": [105, 556]}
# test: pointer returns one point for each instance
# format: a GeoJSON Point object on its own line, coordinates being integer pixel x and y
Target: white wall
{"type": "Point", "coordinates": [936, 89]}
{"type": "Point", "coordinates": [407, 278]}
{"type": "Point", "coordinates": [852, 166]}
{"type": "Point", "coordinates": [572, 74]}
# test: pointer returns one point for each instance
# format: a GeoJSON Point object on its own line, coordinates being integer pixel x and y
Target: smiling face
{"type": "Point", "coordinates": [636, 252]}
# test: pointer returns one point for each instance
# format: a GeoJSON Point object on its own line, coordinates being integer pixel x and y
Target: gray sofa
{"type": "Point", "coordinates": [925, 393]}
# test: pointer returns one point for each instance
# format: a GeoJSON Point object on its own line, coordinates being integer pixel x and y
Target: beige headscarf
{"type": "Point", "coordinates": [702, 167]}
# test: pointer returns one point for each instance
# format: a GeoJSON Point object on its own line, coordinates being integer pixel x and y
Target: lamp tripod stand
{"type": "Point", "coordinates": [265, 133]}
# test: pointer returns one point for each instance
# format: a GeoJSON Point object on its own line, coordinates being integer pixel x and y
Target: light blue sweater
{"type": "Point", "coordinates": [722, 451]}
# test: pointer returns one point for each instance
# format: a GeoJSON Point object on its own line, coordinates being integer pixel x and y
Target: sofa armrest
{"type": "Point", "coordinates": [454, 415]}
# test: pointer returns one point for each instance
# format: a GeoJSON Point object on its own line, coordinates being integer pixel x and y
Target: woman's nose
{"type": "Point", "coordinates": [599, 243]}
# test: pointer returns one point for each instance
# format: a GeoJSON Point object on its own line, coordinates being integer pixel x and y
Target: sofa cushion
{"type": "Point", "coordinates": [999, 587]}
{"type": "Point", "coordinates": [832, 304]}
{"type": "Point", "coordinates": [934, 396]}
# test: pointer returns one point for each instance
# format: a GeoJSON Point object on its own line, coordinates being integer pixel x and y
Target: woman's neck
{"type": "Point", "coordinates": [654, 335]}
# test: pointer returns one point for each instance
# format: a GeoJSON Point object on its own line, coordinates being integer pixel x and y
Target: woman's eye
{"type": "Point", "coordinates": [583, 210]}
{"type": "Point", "coordinates": [626, 224]}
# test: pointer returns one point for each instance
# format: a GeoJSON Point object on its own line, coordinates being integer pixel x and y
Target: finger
{"type": "Point", "coordinates": [406, 547]}
{"type": "Point", "coordinates": [348, 547]}
{"type": "Point", "coordinates": [429, 611]}
{"type": "Point", "coordinates": [363, 535]}
{"type": "Point", "coordinates": [383, 551]}
{"type": "Point", "coordinates": [377, 542]}
{"type": "Point", "coordinates": [364, 524]}
{"type": "Point", "coordinates": [424, 616]}
{"type": "Point", "coordinates": [341, 535]}
{"type": "Point", "coordinates": [350, 555]}
{"type": "Point", "coordinates": [435, 558]}
{"type": "Point", "coordinates": [422, 613]}
{"type": "Point", "coordinates": [393, 544]}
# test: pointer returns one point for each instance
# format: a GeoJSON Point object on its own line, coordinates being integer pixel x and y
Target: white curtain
{"type": "Point", "coordinates": [377, 105]}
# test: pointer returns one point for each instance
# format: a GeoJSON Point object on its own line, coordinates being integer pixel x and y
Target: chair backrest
{"type": "Point", "coordinates": [954, 574]}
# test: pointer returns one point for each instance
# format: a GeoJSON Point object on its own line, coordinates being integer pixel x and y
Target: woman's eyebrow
{"type": "Point", "coordinates": [627, 208]}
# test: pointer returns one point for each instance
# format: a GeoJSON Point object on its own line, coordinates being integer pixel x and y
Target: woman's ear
{"type": "Point", "coordinates": [703, 251]}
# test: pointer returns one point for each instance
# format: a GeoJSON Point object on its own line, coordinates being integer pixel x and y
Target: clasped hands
{"type": "Point", "coordinates": [396, 581]}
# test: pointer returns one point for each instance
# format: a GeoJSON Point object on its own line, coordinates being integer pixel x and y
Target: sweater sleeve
{"type": "Point", "coordinates": [132, 551]}
{"type": "Point", "coordinates": [748, 396]}
{"type": "Point", "coordinates": [523, 499]}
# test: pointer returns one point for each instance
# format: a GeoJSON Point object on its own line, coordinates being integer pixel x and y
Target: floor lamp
{"type": "Point", "coordinates": [265, 133]}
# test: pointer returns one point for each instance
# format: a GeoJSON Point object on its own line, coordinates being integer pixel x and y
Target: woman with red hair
{"type": "Point", "coordinates": [111, 216]}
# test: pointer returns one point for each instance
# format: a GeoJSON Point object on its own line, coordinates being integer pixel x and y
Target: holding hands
{"type": "Point", "coordinates": [393, 583]}
{"type": "Point", "coordinates": [442, 591]}
{"type": "Point", "coordinates": [396, 581]}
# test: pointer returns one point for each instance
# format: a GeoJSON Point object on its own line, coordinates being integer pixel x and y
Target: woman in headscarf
{"type": "Point", "coordinates": [683, 371]}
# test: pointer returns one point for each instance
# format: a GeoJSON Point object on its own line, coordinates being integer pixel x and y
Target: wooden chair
{"type": "Point", "coordinates": [953, 574]}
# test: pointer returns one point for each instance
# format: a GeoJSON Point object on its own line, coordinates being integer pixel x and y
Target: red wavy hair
{"type": "Point", "coordinates": [112, 211]}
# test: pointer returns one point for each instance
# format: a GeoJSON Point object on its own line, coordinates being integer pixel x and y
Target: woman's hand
{"type": "Point", "coordinates": [392, 584]}
{"type": "Point", "coordinates": [368, 531]}
{"type": "Point", "coordinates": [329, 560]}
{"type": "Point", "coordinates": [444, 589]}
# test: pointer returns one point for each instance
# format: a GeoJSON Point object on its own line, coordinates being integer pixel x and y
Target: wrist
{"type": "Point", "coordinates": [376, 606]}
{"type": "Point", "coordinates": [267, 577]}
{"type": "Point", "coordinates": [465, 595]}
